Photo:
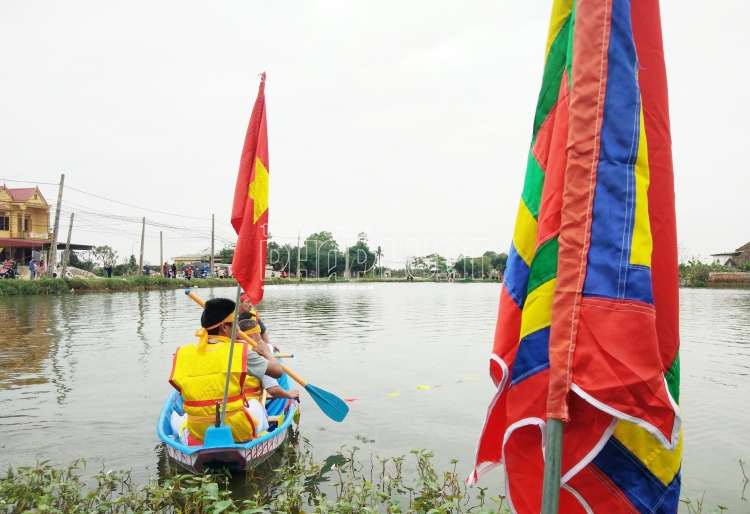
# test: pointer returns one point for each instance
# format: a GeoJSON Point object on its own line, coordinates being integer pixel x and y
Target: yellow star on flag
{"type": "Point", "coordinates": [259, 190]}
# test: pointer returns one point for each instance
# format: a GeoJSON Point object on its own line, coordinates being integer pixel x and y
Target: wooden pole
{"type": "Point", "coordinates": [299, 276]}
{"type": "Point", "coordinates": [211, 259]}
{"type": "Point", "coordinates": [143, 236]}
{"type": "Point", "coordinates": [552, 459]}
{"type": "Point", "coordinates": [66, 255]}
{"type": "Point", "coordinates": [56, 227]}
{"type": "Point", "coordinates": [347, 272]}
{"type": "Point", "coordinates": [161, 252]}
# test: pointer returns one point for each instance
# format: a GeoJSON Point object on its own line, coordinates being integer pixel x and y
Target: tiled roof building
{"type": "Point", "coordinates": [739, 257]}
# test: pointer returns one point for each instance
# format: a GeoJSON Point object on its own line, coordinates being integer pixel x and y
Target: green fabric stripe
{"type": "Point", "coordinates": [673, 377]}
{"type": "Point", "coordinates": [544, 265]}
{"type": "Point", "coordinates": [553, 70]}
{"type": "Point", "coordinates": [532, 186]}
{"type": "Point", "coordinates": [569, 56]}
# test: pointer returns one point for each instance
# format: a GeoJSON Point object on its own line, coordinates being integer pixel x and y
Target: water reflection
{"type": "Point", "coordinates": [28, 330]}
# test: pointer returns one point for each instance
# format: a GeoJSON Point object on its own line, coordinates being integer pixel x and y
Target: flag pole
{"type": "Point", "coordinates": [231, 353]}
{"type": "Point", "coordinates": [552, 458]}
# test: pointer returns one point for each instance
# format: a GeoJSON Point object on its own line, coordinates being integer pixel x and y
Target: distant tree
{"type": "Point", "coordinates": [361, 258]}
{"type": "Point", "coordinates": [104, 254]}
{"type": "Point", "coordinates": [379, 255]}
{"type": "Point", "coordinates": [77, 262]}
{"type": "Point", "coordinates": [226, 254]}
{"type": "Point", "coordinates": [321, 254]}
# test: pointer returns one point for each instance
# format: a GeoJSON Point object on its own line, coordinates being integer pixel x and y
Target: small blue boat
{"type": "Point", "coordinates": [219, 449]}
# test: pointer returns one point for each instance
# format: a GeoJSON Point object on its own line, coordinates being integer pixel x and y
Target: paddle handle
{"type": "Point", "coordinates": [249, 341]}
{"type": "Point", "coordinates": [284, 355]}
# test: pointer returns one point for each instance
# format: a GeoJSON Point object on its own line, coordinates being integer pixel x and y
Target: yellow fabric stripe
{"type": "Point", "coordinates": [662, 463]}
{"type": "Point", "coordinates": [537, 311]}
{"type": "Point", "coordinates": [259, 190]}
{"type": "Point", "coordinates": [524, 235]}
{"type": "Point", "coordinates": [641, 244]}
{"type": "Point", "coordinates": [561, 9]}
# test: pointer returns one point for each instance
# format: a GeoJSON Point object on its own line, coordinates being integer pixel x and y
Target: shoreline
{"type": "Point", "coordinates": [46, 286]}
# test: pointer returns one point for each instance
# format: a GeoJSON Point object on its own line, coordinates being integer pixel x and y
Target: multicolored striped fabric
{"type": "Point", "coordinates": [587, 328]}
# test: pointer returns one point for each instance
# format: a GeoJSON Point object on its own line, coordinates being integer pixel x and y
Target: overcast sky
{"type": "Point", "coordinates": [408, 120]}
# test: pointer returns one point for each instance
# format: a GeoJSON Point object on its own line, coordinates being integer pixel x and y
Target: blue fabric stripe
{"type": "Point", "coordinates": [532, 356]}
{"type": "Point", "coordinates": [516, 277]}
{"type": "Point", "coordinates": [608, 271]}
{"type": "Point", "coordinates": [647, 493]}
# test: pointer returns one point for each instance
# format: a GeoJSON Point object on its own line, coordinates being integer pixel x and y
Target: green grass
{"type": "Point", "coordinates": [77, 285]}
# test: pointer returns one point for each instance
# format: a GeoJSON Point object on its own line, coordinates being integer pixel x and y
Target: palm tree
{"type": "Point", "coordinates": [379, 254]}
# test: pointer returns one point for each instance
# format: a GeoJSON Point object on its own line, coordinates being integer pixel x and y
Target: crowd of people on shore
{"type": "Point", "coordinates": [10, 269]}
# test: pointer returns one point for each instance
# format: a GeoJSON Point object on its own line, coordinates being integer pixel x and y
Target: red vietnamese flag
{"type": "Point", "coordinates": [250, 207]}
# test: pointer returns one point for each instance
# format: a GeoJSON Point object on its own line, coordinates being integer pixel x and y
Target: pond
{"type": "Point", "coordinates": [86, 375]}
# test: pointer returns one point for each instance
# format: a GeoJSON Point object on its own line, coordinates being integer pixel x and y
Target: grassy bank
{"type": "Point", "coordinates": [370, 279]}
{"type": "Point", "coordinates": [59, 285]}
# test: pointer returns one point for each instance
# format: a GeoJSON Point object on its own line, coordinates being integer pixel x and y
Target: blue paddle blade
{"type": "Point", "coordinates": [331, 405]}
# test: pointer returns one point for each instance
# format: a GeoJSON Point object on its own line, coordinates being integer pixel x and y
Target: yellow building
{"type": "Point", "coordinates": [24, 222]}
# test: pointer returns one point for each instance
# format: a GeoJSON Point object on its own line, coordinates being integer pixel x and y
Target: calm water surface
{"type": "Point", "coordinates": [86, 375]}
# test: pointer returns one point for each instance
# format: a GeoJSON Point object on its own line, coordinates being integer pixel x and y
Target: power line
{"type": "Point", "coordinates": [110, 200]}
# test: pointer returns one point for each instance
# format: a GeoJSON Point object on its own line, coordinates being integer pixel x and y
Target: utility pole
{"type": "Point", "coordinates": [66, 255]}
{"type": "Point", "coordinates": [161, 252]}
{"type": "Point", "coordinates": [211, 259]}
{"type": "Point", "coordinates": [143, 235]}
{"type": "Point", "coordinates": [347, 273]}
{"type": "Point", "coordinates": [299, 276]}
{"type": "Point", "coordinates": [53, 245]}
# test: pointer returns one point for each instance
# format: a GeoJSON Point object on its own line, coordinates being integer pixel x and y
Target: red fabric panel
{"type": "Point", "coordinates": [582, 433]}
{"type": "Point", "coordinates": [507, 331]}
{"type": "Point", "coordinates": [528, 398]}
{"type": "Point", "coordinates": [247, 159]}
{"type": "Point", "coordinates": [600, 493]}
{"type": "Point", "coordinates": [524, 463]}
{"type": "Point", "coordinates": [652, 78]}
{"type": "Point", "coordinates": [589, 82]}
{"type": "Point", "coordinates": [490, 446]}
{"type": "Point", "coordinates": [555, 161]}
{"type": "Point", "coordinates": [626, 376]}
{"type": "Point", "coordinates": [249, 263]}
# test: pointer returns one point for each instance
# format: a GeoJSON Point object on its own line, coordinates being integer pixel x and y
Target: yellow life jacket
{"type": "Point", "coordinates": [200, 377]}
{"type": "Point", "coordinates": [253, 387]}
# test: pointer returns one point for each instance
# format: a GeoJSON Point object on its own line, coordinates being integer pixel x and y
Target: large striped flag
{"type": "Point", "coordinates": [587, 328]}
{"type": "Point", "coordinates": [250, 207]}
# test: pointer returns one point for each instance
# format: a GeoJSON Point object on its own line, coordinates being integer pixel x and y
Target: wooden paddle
{"type": "Point", "coordinates": [331, 405]}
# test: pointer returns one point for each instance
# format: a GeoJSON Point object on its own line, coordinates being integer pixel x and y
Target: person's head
{"type": "Point", "coordinates": [251, 328]}
{"type": "Point", "coordinates": [245, 304]}
{"type": "Point", "coordinates": [217, 317]}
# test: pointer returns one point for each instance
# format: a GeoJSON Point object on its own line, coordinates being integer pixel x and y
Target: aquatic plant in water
{"type": "Point", "coordinates": [295, 484]}
{"type": "Point", "coordinates": [300, 485]}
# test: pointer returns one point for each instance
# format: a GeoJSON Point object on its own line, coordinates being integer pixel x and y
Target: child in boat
{"type": "Point", "coordinates": [272, 387]}
{"type": "Point", "coordinates": [199, 373]}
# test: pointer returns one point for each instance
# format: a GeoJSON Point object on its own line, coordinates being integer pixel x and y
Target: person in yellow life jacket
{"type": "Point", "coordinates": [247, 312]}
{"type": "Point", "coordinates": [272, 387]}
{"type": "Point", "coordinates": [199, 372]}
